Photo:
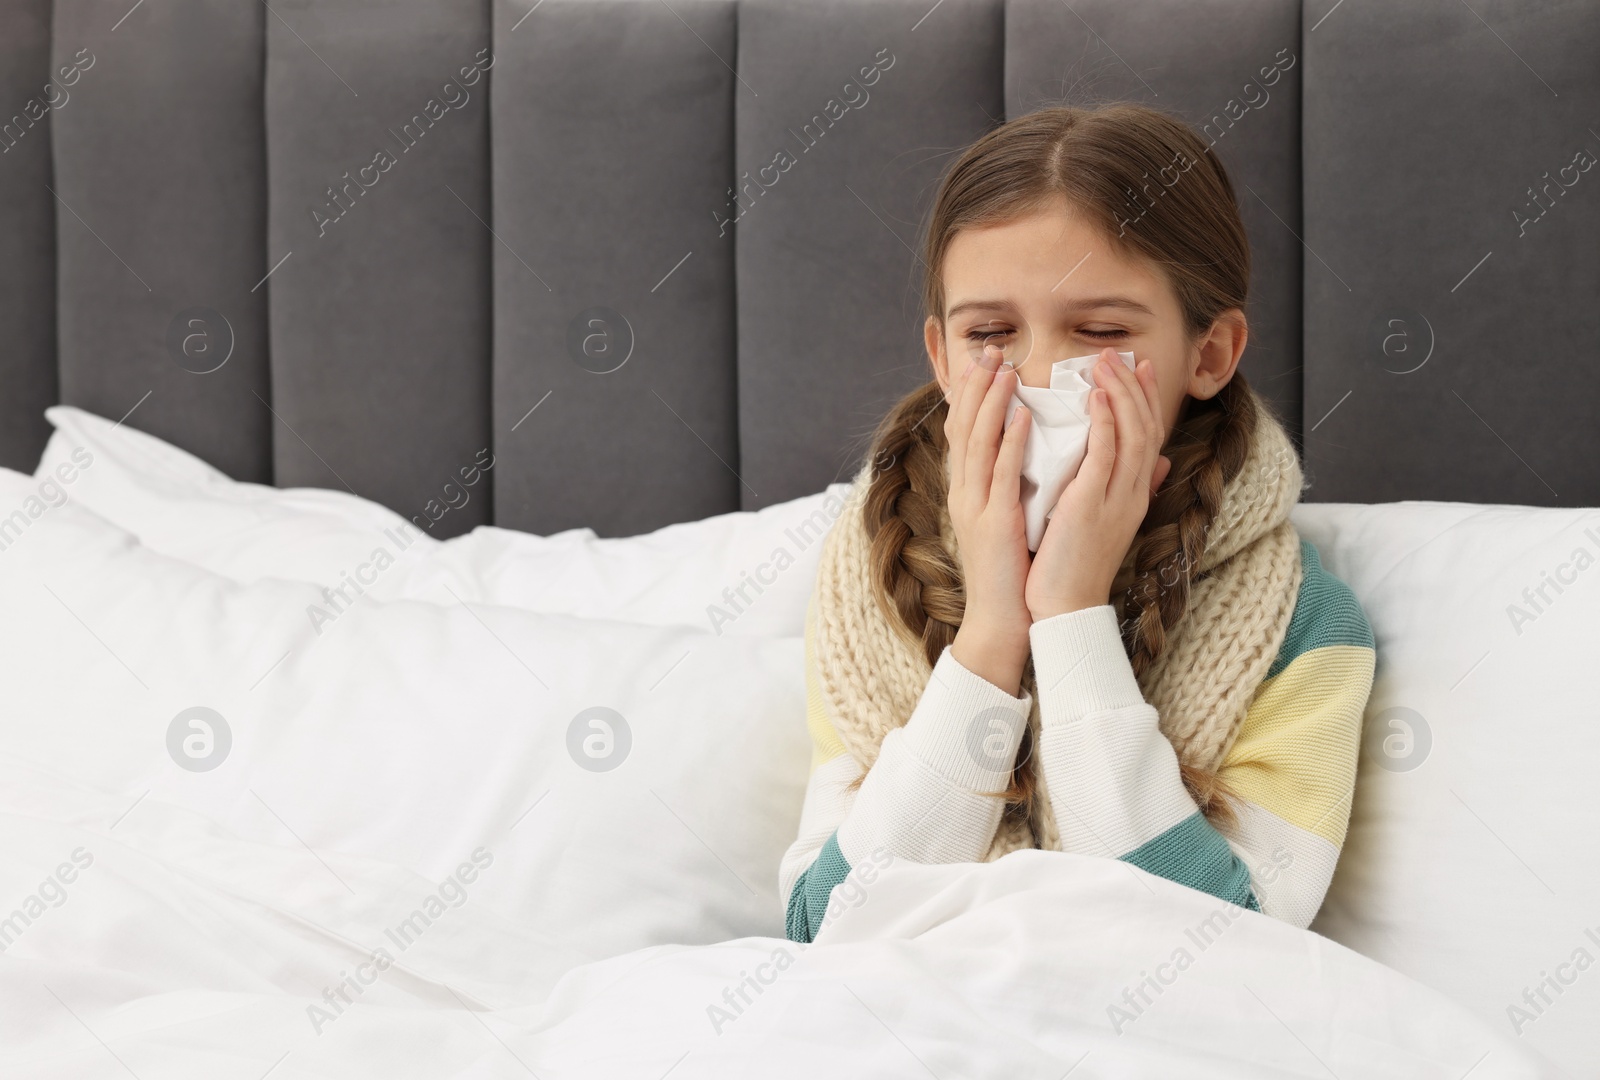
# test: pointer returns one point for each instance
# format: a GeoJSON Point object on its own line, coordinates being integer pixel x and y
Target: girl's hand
{"type": "Point", "coordinates": [1096, 518]}
{"type": "Point", "coordinates": [985, 503]}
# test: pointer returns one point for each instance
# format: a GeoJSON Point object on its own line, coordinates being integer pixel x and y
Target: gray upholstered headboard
{"type": "Point", "coordinates": [402, 253]}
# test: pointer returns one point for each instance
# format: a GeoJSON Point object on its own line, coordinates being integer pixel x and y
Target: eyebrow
{"type": "Point", "coordinates": [1085, 304]}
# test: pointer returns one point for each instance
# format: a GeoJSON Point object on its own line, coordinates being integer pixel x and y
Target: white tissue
{"type": "Point", "coordinates": [1058, 439]}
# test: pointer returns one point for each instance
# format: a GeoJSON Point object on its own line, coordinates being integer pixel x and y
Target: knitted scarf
{"type": "Point", "coordinates": [872, 671]}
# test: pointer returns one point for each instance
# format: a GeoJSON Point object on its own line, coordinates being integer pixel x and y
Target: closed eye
{"type": "Point", "coordinates": [978, 333]}
{"type": "Point", "coordinates": [985, 335]}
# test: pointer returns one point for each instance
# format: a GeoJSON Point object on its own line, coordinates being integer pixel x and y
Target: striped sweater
{"type": "Point", "coordinates": [1112, 776]}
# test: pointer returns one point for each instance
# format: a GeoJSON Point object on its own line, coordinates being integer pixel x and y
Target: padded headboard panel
{"type": "Point", "coordinates": [556, 230]}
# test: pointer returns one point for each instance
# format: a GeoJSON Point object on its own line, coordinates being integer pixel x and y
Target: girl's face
{"type": "Point", "coordinates": [1048, 286]}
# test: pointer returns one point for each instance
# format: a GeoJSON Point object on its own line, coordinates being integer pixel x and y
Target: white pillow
{"type": "Point", "coordinates": [745, 573]}
{"type": "Point", "coordinates": [1470, 858]}
{"type": "Point", "coordinates": [415, 733]}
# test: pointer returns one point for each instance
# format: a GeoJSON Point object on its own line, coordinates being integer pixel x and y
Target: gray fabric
{"type": "Point", "coordinates": [381, 316]}
{"type": "Point", "coordinates": [1378, 177]}
{"type": "Point", "coordinates": [159, 155]}
{"type": "Point", "coordinates": [612, 136]}
{"type": "Point", "coordinates": [830, 321]}
{"type": "Point", "coordinates": [1417, 155]}
{"type": "Point", "coordinates": [1248, 113]}
{"type": "Point", "coordinates": [27, 221]}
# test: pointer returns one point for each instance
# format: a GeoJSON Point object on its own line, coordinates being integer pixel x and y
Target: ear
{"type": "Point", "coordinates": [933, 341]}
{"type": "Point", "coordinates": [1219, 350]}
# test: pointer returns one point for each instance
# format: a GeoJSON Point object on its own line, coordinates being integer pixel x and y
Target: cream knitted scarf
{"type": "Point", "coordinates": [872, 672]}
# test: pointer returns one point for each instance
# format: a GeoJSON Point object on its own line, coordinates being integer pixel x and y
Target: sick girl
{"type": "Point", "coordinates": [1172, 679]}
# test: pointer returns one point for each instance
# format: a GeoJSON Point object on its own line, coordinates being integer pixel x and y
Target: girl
{"type": "Point", "coordinates": [1172, 679]}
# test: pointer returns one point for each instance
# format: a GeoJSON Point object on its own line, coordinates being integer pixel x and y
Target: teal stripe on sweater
{"type": "Point", "coordinates": [808, 902]}
{"type": "Point", "coordinates": [1194, 853]}
{"type": "Point", "coordinates": [1326, 612]}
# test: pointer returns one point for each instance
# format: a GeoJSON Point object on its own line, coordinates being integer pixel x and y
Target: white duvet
{"type": "Point", "coordinates": [410, 849]}
{"type": "Point", "coordinates": [185, 952]}
{"type": "Point", "coordinates": [182, 951]}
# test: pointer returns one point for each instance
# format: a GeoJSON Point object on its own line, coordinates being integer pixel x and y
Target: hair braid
{"type": "Point", "coordinates": [917, 583]}
{"type": "Point", "coordinates": [913, 574]}
{"type": "Point", "coordinates": [1207, 447]}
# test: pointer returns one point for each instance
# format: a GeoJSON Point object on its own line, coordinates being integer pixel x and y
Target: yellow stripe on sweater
{"type": "Point", "coordinates": [1298, 745]}
{"type": "Point", "coordinates": [825, 742]}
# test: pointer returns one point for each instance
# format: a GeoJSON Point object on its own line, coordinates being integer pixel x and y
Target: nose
{"type": "Point", "coordinates": [1033, 354]}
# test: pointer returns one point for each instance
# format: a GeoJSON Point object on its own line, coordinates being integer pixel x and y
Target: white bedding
{"type": "Point", "coordinates": [739, 574]}
{"type": "Point", "coordinates": [417, 756]}
{"type": "Point", "coordinates": [182, 951]}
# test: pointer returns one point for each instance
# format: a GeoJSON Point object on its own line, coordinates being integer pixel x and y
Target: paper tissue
{"type": "Point", "coordinates": [1058, 439]}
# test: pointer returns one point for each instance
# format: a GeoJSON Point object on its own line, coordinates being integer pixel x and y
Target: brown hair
{"type": "Point", "coordinates": [1096, 158]}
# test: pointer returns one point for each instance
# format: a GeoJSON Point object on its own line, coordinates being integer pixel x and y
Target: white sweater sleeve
{"type": "Point", "coordinates": [1112, 776]}
{"type": "Point", "coordinates": [932, 795]}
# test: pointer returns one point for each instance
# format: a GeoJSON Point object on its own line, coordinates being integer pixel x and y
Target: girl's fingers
{"type": "Point", "coordinates": [1152, 402]}
{"type": "Point", "coordinates": [984, 442]}
{"type": "Point", "coordinates": [956, 440]}
{"type": "Point", "coordinates": [1136, 392]}
{"type": "Point", "coordinates": [1140, 442]}
{"type": "Point", "coordinates": [1132, 442]}
{"type": "Point", "coordinates": [1007, 482]}
{"type": "Point", "coordinates": [1152, 391]}
{"type": "Point", "coordinates": [1102, 452]}
{"type": "Point", "coordinates": [1150, 430]}
{"type": "Point", "coordinates": [1140, 391]}
{"type": "Point", "coordinates": [958, 419]}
